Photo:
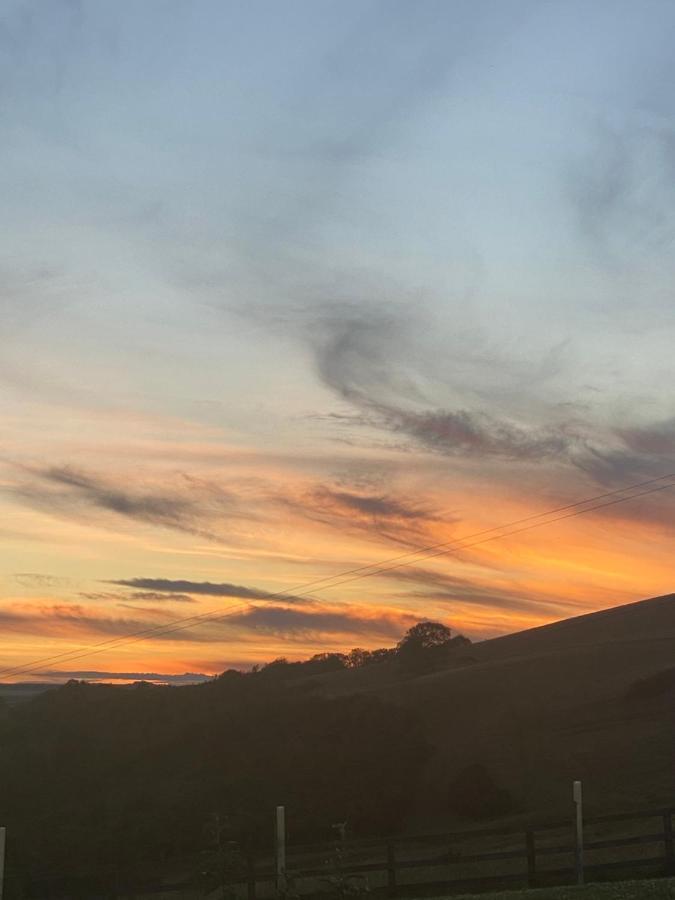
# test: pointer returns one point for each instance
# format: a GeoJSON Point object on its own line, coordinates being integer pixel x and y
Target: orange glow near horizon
{"type": "Point", "coordinates": [294, 533]}
{"type": "Point", "coordinates": [369, 279]}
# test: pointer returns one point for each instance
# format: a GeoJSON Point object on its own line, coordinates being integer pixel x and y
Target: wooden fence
{"type": "Point", "coordinates": [537, 854]}
{"type": "Point", "coordinates": [540, 854]}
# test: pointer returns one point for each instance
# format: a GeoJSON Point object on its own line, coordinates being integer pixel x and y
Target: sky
{"type": "Point", "coordinates": [287, 289]}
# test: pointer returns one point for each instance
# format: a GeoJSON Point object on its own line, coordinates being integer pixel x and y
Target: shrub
{"type": "Point", "coordinates": [473, 794]}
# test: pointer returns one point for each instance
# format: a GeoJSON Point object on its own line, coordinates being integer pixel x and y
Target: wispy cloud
{"type": "Point", "coordinates": [656, 440]}
{"type": "Point", "coordinates": [377, 514]}
{"type": "Point", "coordinates": [622, 191]}
{"type": "Point", "coordinates": [466, 432]}
{"type": "Point", "coordinates": [304, 623]}
{"type": "Point", "coordinates": [389, 214]}
{"type": "Point", "coordinates": [448, 589]}
{"type": "Point", "coordinates": [38, 580]}
{"type": "Point", "coordinates": [375, 506]}
{"type": "Point", "coordinates": [373, 357]}
{"type": "Point", "coordinates": [204, 588]}
{"type": "Point", "coordinates": [366, 355]}
{"type": "Point", "coordinates": [66, 620]}
{"type": "Point", "coordinates": [194, 506]}
{"type": "Point", "coordinates": [137, 597]}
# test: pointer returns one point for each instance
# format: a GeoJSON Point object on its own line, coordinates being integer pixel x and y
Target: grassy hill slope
{"type": "Point", "coordinates": [545, 706]}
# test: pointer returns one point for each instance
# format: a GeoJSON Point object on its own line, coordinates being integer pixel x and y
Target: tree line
{"type": "Point", "coordinates": [426, 647]}
{"type": "Point", "coordinates": [119, 783]}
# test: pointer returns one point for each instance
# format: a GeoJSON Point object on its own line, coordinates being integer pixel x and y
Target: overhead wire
{"type": "Point", "coordinates": [536, 520]}
{"type": "Point", "coordinates": [486, 531]}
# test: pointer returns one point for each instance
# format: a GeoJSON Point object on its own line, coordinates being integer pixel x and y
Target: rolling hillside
{"type": "Point", "coordinates": [542, 707]}
{"type": "Point", "coordinates": [590, 698]}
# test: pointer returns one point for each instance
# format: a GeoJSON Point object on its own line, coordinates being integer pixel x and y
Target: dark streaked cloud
{"type": "Point", "coordinates": [63, 620]}
{"type": "Point", "coordinates": [377, 514]}
{"type": "Point", "coordinates": [60, 618]}
{"type": "Point", "coordinates": [154, 508]}
{"type": "Point", "coordinates": [38, 580]}
{"type": "Point", "coordinates": [293, 622]}
{"type": "Point", "coordinates": [137, 597]}
{"type": "Point", "coordinates": [193, 506]}
{"type": "Point", "coordinates": [375, 505]}
{"type": "Point", "coordinates": [205, 509]}
{"type": "Point", "coordinates": [68, 619]}
{"type": "Point", "coordinates": [622, 463]}
{"type": "Point", "coordinates": [204, 588]}
{"type": "Point", "coordinates": [362, 350]}
{"type": "Point", "coordinates": [158, 597]}
{"type": "Point", "coordinates": [452, 588]}
{"type": "Point", "coordinates": [366, 355]}
{"type": "Point", "coordinates": [655, 440]}
{"type": "Point", "coordinates": [463, 431]}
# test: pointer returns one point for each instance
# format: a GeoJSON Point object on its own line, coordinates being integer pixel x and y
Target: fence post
{"type": "Point", "coordinates": [391, 869]}
{"type": "Point", "coordinates": [531, 859]}
{"type": "Point", "coordinates": [668, 841]}
{"type": "Point", "coordinates": [3, 836]}
{"type": "Point", "coordinates": [281, 848]}
{"type": "Point", "coordinates": [250, 876]}
{"type": "Point", "coordinates": [579, 842]}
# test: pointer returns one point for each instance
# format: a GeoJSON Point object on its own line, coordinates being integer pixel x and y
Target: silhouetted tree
{"type": "Point", "coordinates": [427, 647]}
{"type": "Point", "coordinates": [417, 650]}
{"type": "Point", "coordinates": [357, 658]}
{"type": "Point", "coordinates": [324, 662]}
{"type": "Point", "coordinates": [381, 655]}
{"type": "Point", "coordinates": [425, 635]}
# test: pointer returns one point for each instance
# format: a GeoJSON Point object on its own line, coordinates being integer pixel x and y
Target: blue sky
{"type": "Point", "coordinates": [403, 252]}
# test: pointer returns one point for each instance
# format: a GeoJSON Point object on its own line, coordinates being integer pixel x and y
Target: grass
{"type": "Point", "coordinates": [660, 889]}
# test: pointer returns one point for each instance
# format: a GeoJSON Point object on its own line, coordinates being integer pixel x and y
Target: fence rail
{"type": "Point", "coordinates": [541, 853]}
{"type": "Point", "coordinates": [532, 854]}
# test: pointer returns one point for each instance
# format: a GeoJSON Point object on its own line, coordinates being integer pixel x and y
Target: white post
{"type": "Point", "coordinates": [3, 834]}
{"type": "Point", "coordinates": [281, 848]}
{"type": "Point", "coordinates": [579, 845]}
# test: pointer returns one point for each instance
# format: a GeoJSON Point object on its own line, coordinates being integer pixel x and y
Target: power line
{"type": "Point", "coordinates": [495, 537]}
{"type": "Point", "coordinates": [111, 643]}
{"type": "Point", "coordinates": [375, 569]}
{"type": "Point", "coordinates": [476, 534]}
{"type": "Point", "coordinates": [549, 517]}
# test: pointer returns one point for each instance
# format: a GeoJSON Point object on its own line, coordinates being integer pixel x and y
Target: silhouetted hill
{"type": "Point", "coordinates": [589, 698]}
{"type": "Point", "coordinates": [645, 620]}
{"type": "Point", "coordinates": [96, 775]}
{"type": "Point", "coordinates": [21, 691]}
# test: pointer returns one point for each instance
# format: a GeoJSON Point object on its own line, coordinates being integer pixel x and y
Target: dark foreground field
{"type": "Point", "coordinates": [663, 889]}
{"type": "Point", "coordinates": [135, 788]}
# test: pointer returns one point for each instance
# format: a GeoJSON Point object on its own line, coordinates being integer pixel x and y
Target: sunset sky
{"type": "Point", "coordinates": [289, 288]}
